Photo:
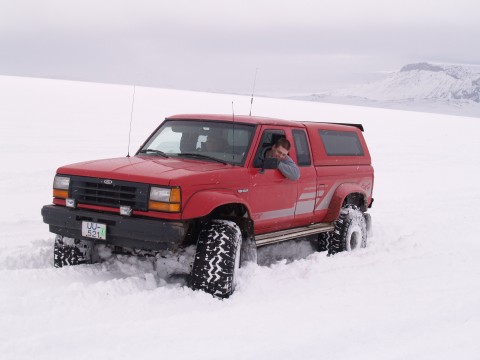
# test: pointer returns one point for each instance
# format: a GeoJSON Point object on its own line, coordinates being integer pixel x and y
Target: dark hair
{"type": "Point", "coordinates": [283, 142]}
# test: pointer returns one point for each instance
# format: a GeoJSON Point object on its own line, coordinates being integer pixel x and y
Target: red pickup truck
{"type": "Point", "coordinates": [226, 201]}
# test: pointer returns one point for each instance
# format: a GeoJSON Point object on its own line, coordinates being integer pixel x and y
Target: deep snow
{"type": "Point", "coordinates": [413, 293]}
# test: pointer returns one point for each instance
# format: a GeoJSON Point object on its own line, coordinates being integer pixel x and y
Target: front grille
{"type": "Point", "coordinates": [105, 192]}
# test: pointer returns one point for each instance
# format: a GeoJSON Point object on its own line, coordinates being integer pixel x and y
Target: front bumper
{"type": "Point", "coordinates": [140, 233]}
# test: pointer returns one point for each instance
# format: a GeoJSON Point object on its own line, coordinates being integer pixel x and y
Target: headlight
{"type": "Point", "coordinates": [160, 194]}
{"type": "Point", "coordinates": [165, 199]}
{"type": "Point", "coordinates": [61, 182]}
{"type": "Point", "coordinates": [60, 186]}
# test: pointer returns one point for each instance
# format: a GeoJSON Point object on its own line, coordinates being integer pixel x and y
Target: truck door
{"type": "Point", "coordinates": [272, 197]}
{"type": "Point", "coordinates": [307, 184]}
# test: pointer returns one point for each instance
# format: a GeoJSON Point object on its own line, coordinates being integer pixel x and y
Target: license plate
{"type": "Point", "coordinates": [94, 230]}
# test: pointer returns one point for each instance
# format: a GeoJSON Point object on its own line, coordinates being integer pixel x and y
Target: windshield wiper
{"type": "Point", "coordinates": [156, 152]}
{"type": "Point", "coordinates": [201, 156]}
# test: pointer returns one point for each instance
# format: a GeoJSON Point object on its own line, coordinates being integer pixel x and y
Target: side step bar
{"type": "Point", "coordinates": [278, 236]}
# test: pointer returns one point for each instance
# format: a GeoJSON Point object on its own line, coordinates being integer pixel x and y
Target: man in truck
{"type": "Point", "coordinates": [286, 165]}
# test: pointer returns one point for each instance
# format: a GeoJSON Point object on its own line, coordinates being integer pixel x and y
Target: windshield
{"type": "Point", "coordinates": [205, 140]}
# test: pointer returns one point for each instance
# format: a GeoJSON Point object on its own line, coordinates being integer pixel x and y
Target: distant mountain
{"type": "Point", "coordinates": [420, 86]}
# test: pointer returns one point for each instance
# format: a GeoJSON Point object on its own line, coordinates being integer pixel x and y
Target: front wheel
{"type": "Point", "coordinates": [68, 251]}
{"type": "Point", "coordinates": [350, 231]}
{"type": "Point", "coordinates": [217, 258]}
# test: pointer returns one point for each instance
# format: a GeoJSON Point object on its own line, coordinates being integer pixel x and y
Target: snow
{"type": "Point", "coordinates": [440, 88]}
{"type": "Point", "coordinates": [413, 293]}
{"type": "Point", "coordinates": [420, 84]}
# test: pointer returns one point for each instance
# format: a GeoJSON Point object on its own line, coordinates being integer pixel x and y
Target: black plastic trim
{"type": "Point", "coordinates": [141, 233]}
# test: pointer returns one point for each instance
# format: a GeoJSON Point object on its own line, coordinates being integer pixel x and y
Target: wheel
{"type": "Point", "coordinates": [67, 251]}
{"type": "Point", "coordinates": [217, 258]}
{"type": "Point", "coordinates": [350, 231]}
{"type": "Point", "coordinates": [323, 241]}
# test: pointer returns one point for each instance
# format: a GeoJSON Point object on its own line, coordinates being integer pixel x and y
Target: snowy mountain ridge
{"type": "Point", "coordinates": [418, 86]}
{"type": "Point", "coordinates": [422, 81]}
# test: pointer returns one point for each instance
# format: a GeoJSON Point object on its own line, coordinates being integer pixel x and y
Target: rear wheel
{"type": "Point", "coordinates": [323, 241]}
{"type": "Point", "coordinates": [350, 231]}
{"type": "Point", "coordinates": [68, 251]}
{"type": "Point", "coordinates": [217, 258]}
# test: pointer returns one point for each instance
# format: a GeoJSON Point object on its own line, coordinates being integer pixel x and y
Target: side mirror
{"type": "Point", "coordinates": [269, 163]}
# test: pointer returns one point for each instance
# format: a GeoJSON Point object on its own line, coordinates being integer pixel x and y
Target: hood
{"type": "Point", "coordinates": [145, 169]}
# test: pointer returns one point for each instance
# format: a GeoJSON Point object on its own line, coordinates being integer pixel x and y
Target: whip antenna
{"type": "Point", "coordinates": [233, 132]}
{"type": "Point", "coordinates": [253, 91]}
{"type": "Point", "coordinates": [131, 119]}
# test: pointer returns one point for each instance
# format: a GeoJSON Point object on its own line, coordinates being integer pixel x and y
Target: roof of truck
{"type": "Point", "coordinates": [258, 120]}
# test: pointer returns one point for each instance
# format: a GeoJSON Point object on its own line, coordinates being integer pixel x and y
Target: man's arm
{"type": "Point", "coordinates": [288, 168]}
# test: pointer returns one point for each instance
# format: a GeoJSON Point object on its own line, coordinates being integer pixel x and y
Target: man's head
{"type": "Point", "coordinates": [280, 149]}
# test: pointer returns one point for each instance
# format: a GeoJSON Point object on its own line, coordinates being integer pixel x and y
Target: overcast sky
{"type": "Point", "coordinates": [298, 46]}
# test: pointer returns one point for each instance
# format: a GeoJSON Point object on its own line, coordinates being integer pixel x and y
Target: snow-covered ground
{"type": "Point", "coordinates": [413, 293]}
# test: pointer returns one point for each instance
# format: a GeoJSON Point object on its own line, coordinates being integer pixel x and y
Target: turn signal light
{"type": "Point", "coordinates": [161, 206]}
{"type": "Point", "coordinates": [175, 196]}
{"type": "Point", "coordinates": [62, 194]}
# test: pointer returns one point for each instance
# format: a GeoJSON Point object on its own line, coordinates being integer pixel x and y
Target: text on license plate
{"type": "Point", "coordinates": [94, 230]}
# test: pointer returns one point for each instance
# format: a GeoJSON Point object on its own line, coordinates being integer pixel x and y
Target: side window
{"type": "Point", "coordinates": [341, 143]}
{"type": "Point", "coordinates": [269, 137]}
{"type": "Point", "coordinates": [301, 146]}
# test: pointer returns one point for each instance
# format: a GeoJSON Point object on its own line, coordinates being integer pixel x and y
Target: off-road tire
{"type": "Point", "coordinates": [217, 258]}
{"type": "Point", "coordinates": [324, 241]}
{"type": "Point", "coordinates": [71, 252]}
{"type": "Point", "coordinates": [350, 231]}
